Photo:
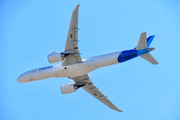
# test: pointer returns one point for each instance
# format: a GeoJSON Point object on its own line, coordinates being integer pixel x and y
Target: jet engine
{"type": "Point", "coordinates": [68, 88]}
{"type": "Point", "coordinates": [55, 57]}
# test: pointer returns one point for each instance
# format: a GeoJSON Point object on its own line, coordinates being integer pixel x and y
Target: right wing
{"type": "Point", "coordinates": [91, 89]}
{"type": "Point", "coordinates": [72, 41]}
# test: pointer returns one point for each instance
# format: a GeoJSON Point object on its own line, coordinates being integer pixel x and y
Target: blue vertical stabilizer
{"type": "Point", "coordinates": [149, 40]}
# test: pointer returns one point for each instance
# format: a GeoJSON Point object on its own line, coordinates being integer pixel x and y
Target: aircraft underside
{"type": "Point", "coordinates": [77, 69]}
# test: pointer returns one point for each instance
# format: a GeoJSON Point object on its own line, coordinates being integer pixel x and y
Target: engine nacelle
{"type": "Point", "coordinates": [55, 57]}
{"type": "Point", "coordinates": [68, 88]}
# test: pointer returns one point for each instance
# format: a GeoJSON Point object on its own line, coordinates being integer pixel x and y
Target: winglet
{"type": "Point", "coordinates": [77, 7]}
{"type": "Point", "coordinates": [118, 110]}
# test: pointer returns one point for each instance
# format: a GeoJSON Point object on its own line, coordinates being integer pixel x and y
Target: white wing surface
{"type": "Point", "coordinates": [72, 41]}
{"type": "Point", "coordinates": [91, 89]}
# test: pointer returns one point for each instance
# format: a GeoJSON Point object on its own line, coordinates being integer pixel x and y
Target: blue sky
{"type": "Point", "coordinates": [30, 30]}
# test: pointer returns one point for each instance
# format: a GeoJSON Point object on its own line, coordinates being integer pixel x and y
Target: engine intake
{"type": "Point", "coordinates": [55, 57]}
{"type": "Point", "coordinates": [68, 88]}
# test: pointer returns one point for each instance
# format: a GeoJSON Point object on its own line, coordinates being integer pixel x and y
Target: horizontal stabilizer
{"type": "Point", "coordinates": [149, 58]}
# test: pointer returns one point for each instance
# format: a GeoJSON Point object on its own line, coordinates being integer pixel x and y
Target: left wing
{"type": "Point", "coordinates": [91, 89]}
{"type": "Point", "coordinates": [72, 41]}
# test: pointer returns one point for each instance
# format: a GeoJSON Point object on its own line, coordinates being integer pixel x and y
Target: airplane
{"type": "Point", "coordinates": [77, 69]}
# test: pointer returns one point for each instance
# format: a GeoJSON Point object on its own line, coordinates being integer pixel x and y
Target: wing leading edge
{"type": "Point", "coordinates": [91, 89]}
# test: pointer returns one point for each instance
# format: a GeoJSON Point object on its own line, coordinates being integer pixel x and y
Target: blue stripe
{"type": "Point", "coordinates": [127, 55]}
{"type": "Point", "coordinates": [141, 52]}
{"type": "Point", "coordinates": [149, 40]}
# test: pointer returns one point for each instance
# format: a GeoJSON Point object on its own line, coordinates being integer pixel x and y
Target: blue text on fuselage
{"type": "Point", "coordinates": [44, 68]}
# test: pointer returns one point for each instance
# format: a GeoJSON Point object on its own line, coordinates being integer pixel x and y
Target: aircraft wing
{"type": "Point", "coordinates": [72, 41]}
{"type": "Point", "coordinates": [93, 90]}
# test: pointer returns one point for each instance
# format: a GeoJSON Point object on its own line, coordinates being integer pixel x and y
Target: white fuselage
{"type": "Point", "coordinates": [78, 69]}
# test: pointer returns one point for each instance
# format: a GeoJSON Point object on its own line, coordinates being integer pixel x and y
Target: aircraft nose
{"type": "Point", "coordinates": [22, 78]}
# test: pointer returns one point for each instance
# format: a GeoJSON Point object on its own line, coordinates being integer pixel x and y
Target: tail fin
{"type": "Point", "coordinates": [143, 44]}
{"type": "Point", "coordinates": [149, 40]}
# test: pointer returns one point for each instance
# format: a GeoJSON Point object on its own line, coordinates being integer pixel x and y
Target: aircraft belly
{"type": "Point", "coordinates": [91, 64]}
{"type": "Point", "coordinates": [103, 61]}
{"type": "Point", "coordinates": [78, 69]}
{"type": "Point", "coordinates": [62, 72]}
{"type": "Point", "coordinates": [71, 70]}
